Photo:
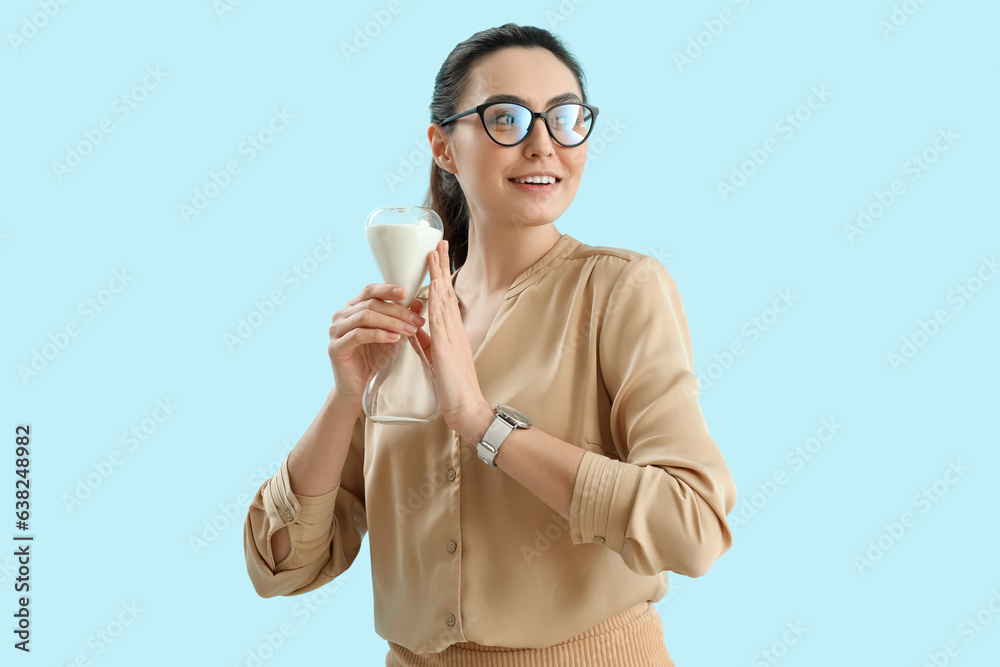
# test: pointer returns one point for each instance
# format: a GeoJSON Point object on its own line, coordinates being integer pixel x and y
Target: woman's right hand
{"type": "Point", "coordinates": [361, 335]}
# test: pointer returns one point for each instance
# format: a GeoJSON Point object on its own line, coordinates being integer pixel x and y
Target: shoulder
{"type": "Point", "coordinates": [615, 267]}
{"type": "Point", "coordinates": [584, 250]}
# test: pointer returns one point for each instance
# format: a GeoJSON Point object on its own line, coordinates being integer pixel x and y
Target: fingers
{"type": "Point", "coordinates": [357, 336]}
{"type": "Point", "coordinates": [380, 302]}
{"type": "Point", "coordinates": [384, 291]}
{"type": "Point", "coordinates": [372, 320]}
{"type": "Point", "coordinates": [424, 340]}
{"type": "Point", "coordinates": [443, 308]}
{"type": "Point", "coordinates": [390, 317]}
{"type": "Point", "coordinates": [440, 267]}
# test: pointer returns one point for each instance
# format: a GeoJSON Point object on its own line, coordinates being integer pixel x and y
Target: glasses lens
{"type": "Point", "coordinates": [507, 123]}
{"type": "Point", "coordinates": [570, 123]}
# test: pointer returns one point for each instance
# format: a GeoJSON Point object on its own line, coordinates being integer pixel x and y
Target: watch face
{"type": "Point", "coordinates": [515, 414]}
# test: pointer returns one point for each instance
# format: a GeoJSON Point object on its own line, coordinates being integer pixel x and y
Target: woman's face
{"type": "Point", "coordinates": [485, 169]}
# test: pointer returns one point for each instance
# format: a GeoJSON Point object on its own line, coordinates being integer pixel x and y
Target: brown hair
{"type": "Point", "coordinates": [445, 194]}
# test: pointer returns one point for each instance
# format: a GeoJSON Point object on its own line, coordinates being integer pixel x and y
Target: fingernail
{"type": "Point", "coordinates": [409, 328]}
{"type": "Point", "coordinates": [446, 246]}
{"type": "Point", "coordinates": [398, 291]}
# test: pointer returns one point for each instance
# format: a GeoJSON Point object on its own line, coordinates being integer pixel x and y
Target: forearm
{"type": "Point", "coordinates": [542, 463]}
{"type": "Point", "coordinates": [317, 460]}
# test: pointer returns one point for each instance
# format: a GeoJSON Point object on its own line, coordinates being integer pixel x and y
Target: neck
{"type": "Point", "coordinates": [498, 254]}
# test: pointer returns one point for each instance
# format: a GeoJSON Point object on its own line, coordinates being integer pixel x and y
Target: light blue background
{"type": "Point", "coordinates": [650, 186]}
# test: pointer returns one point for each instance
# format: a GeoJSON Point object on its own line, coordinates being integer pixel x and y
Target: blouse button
{"type": "Point", "coordinates": [599, 539]}
{"type": "Point", "coordinates": [288, 515]}
{"type": "Point", "coordinates": [452, 546]}
{"type": "Point", "coordinates": [451, 474]}
{"type": "Point", "coordinates": [451, 619]}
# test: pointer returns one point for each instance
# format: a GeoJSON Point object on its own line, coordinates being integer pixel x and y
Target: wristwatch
{"type": "Point", "coordinates": [507, 420]}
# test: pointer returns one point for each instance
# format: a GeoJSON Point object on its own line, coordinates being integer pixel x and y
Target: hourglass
{"type": "Point", "coordinates": [402, 389]}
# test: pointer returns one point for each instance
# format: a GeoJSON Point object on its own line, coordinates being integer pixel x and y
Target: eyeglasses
{"type": "Point", "coordinates": [508, 123]}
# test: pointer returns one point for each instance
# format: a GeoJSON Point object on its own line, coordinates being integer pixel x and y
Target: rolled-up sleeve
{"type": "Point", "coordinates": [661, 505]}
{"type": "Point", "coordinates": [325, 532]}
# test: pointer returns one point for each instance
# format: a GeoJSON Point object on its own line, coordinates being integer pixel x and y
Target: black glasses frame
{"type": "Point", "coordinates": [544, 115]}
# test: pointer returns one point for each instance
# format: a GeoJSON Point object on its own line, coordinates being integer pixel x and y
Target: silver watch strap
{"type": "Point", "coordinates": [498, 430]}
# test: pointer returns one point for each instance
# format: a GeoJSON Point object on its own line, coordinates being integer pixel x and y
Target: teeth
{"type": "Point", "coordinates": [536, 179]}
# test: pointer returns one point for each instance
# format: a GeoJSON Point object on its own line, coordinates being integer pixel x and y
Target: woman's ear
{"type": "Point", "coordinates": [440, 147]}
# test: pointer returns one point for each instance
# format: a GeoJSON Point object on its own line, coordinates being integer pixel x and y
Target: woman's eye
{"type": "Point", "coordinates": [566, 120]}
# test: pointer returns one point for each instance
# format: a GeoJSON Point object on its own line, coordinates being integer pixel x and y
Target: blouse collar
{"type": "Point", "coordinates": [560, 250]}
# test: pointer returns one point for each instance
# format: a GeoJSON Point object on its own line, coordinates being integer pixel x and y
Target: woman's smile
{"type": "Point", "coordinates": [536, 183]}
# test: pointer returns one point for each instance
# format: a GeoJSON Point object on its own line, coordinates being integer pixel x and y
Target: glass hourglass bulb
{"type": "Point", "coordinates": [402, 390]}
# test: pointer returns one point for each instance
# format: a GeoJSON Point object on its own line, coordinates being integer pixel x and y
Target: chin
{"type": "Point", "coordinates": [537, 214]}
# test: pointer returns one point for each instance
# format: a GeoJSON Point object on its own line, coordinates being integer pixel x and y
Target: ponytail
{"type": "Point", "coordinates": [446, 198]}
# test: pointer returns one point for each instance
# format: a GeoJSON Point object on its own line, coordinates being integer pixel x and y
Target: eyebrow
{"type": "Point", "coordinates": [565, 97]}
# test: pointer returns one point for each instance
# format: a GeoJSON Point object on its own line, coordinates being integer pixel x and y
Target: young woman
{"type": "Point", "coordinates": [533, 522]}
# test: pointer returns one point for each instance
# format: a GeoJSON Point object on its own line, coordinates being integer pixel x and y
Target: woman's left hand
{"type": "Point", "coordinates": [449, 351]}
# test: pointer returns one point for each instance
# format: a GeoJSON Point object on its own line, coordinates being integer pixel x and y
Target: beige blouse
{"type": "Point", "coordinates": [592, 344]}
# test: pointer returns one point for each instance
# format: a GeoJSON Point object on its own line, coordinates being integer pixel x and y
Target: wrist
{"type": "Point", "coordinates": [342, 402]}
{"type": "Point", "coordinates": [479, 423]}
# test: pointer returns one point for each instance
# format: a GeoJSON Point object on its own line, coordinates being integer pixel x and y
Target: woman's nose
{"type": "Point", "coordinates": [539, 142]}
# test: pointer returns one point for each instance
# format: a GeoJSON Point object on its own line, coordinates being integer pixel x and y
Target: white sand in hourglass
{"type": "Point", "coordinates": [400, 252]}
